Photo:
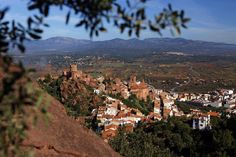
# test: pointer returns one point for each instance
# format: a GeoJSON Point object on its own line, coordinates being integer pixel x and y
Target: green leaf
{"type": "Point", "coordinates": [5, 23]}
{"type": "Point", "coordinates": [67, 17]}
{"type": "Point", "coordinates": [33, 6]}
{"type": "Point", "coordinates": [38, 18]}
{"type": "Point", "coordinates": [43, 110]}
{"type": "Point", "coordinates": [158, 18]}
{"type": "Point", "coordinates": [96, 32]}
{"type": "Point", "coordinates": [34, 36]}
{"type": "Point", "coordinates": [21, 47]}
{"type": "Point", "coordinates": [38, 30]}
{"type": "Point", "coordinates": [80, 23]}
{"type": "Point", "coordinates": [185, 20]}
{"type": "Point", "coordinates": [46, 25]}
{"type": "Point", "coordinates": [29, 22]}
{"type": "Point", "coordinates": [170, 7]}
{"type": "Point", "coordinates": [182, 14]}
{"type": "Point", "coordinates": [178, 30]}
{"type": "Point", "coordinates": [39, 101]}
{"type": "Point", "coordinates": [128, 3]}
{"type": "Point", "coordinates": [184, 26]}
{"type": "Point", "coordinates": [130, 32]}
{"type": "Point", "coordinates": [46, 10]}
{"type": "Point", "coordinates": [102, 29]}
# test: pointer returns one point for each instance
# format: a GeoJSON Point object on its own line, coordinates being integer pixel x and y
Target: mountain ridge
{"type": "Point", "coordinates": [123, 47]}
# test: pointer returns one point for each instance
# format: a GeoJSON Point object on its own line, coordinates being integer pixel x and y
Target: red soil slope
{"type": "Point", "coordinates": [64, 137]}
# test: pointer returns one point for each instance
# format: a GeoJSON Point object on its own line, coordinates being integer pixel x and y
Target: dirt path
{"type": "Point", "coordinates": [190, 77]}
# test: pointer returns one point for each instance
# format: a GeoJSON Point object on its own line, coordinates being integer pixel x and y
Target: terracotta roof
{"type": "Point", "coordinates": [107, 116]}
{"type": "Point", "coordinates": [200, 115]}
{"type": "Point", "coordinates": [129, 127]}
{"type": "Point", "coordinates": [111, 127]}
{"type": "Point", "coordinates": [136, 86]}
{"type": "Point", "coordinates": [109, 134]}
{"type": "Point", "coordinates": [121, 114]}
{"type": "Point", "coordinates": [157, 115]}
{"type": "Point", "coordinates": [136, 116]}
{"type": "Point", "coordinates": [213, 114]}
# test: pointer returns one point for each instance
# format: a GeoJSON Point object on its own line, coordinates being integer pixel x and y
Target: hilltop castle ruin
{"type": "Point", "coordinates": [73, 73]}
{"type": "Point", "coordinates": [76, 74]}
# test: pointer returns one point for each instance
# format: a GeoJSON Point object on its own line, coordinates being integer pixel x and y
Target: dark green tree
{"type": "Point", "coordinates": [176, 138]}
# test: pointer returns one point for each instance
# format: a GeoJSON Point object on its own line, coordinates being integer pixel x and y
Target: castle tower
{"type": "Point", "coordinates": [73, 67]}
{"type": "Point", "coordinates": [74, 72]}
{"type": "Point", "coordinates": [133, 79]}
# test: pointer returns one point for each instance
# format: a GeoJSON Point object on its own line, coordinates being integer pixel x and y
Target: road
{"type": "Point", "coordinates": [192, 71]}
{"type": "Point", "coordinates": [181, 85]}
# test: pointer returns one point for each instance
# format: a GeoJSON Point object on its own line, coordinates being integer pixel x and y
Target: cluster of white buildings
{"type": "Point", "coordinates": [115, 113]}
{"type": "Point", "coordinates": [219, 98]}
{"type": "Point", "coordinates": [164, 107]}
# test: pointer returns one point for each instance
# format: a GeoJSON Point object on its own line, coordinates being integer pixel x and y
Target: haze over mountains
{"type": "Point", "coordinates": [133, 47]}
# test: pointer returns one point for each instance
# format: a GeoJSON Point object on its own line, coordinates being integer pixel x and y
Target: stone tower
{"type": "Point", "coordinates": [73, 68]}
{"type": "Point", "coordinates": [133, 79]}
{"type": "Point", "coordinates": [74, 71]}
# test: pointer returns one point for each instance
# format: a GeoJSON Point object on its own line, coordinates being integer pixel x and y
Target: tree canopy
{"type": "Point", "coordinates": [176, 138]}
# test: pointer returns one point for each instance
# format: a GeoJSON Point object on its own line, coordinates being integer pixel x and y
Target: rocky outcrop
{"type": "Point", "coordinates": [62, 136]}
{"type": "Point", "coordinates": [76, 92]}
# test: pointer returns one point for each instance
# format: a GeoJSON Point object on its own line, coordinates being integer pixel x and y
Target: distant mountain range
{"type": "Point", "coordinates": [121, 47]}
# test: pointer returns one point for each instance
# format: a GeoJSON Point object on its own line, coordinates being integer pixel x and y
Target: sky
{"type": "Point", "coordinates": [211, 20]}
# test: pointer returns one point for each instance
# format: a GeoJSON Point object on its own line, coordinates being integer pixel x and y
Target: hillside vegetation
{"type": "Point", "coordinates": [176, 138]}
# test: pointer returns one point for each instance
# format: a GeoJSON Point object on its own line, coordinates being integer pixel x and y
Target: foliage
{"type": "Point", "coordinates": [131, 16]}
{"type": "Point", "coordinates": [72, 110]}
{"type": "Point", "coordinates": [13, 34]}
{"type": "Point", "coordinates": [78, 99]}
{"type": "Point", "coordinates": [132, 101]}
{"type": "Point", "coordinates": [92, 123]}
{"type": "Point", "coordinates": [176, 138]}
{"type": "Point", "coordinates": [51, 86]}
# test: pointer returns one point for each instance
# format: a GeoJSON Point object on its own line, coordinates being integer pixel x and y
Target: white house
{"type": "Point", "coordinates": [168, 103]}
{"type": "Point", "coordinates": [111, 111]}
{"type": "Point", "coordinates": [215, 104]}
{"type": "Point", "coordinates": [201, 122]}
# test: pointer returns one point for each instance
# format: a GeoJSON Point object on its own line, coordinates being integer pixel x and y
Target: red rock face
{"type": "Point", "coordinates": [63, 136]}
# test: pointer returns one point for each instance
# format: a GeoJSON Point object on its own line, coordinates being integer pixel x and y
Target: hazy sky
{"type": "Point", "coordinates": [212, 20]}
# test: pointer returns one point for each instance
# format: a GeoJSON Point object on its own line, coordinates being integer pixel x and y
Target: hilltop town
{"type": "Point", "coordinates": [119, 96]}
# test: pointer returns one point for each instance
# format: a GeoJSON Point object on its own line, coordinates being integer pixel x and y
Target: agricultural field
{"type": "Point", "coordinates": [182, 73]}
